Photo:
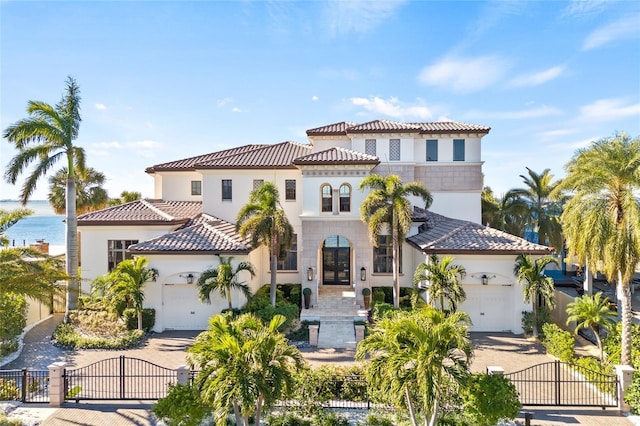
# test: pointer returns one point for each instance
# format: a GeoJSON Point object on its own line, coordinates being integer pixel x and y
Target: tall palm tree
{"type": "Point", "coordinates": [415, 357]}
{"type": "Point", "coordinates": [8, 219]}
{"type": "Point", "coordinates": [387, 205]}
{"type": "Point", "coordinates": [444, 280]}
{"type": "Point", "coordinates": [125, 197]}
{"type": "Point", "coordinates": [508, 213]}
{"type": "Point", "coordinates": [124, 286]}
{"type": "Point", "coordinates": [244, 365]}
{"type": "Point", "coordinates": [264, 221]}
{"type": "Point", "coordinates": [531, 273]}
{"type": "Point", "coordinates": [224, 278]}
{"type": "Point", "coordinates": [90, 195]}
{"type": "Point", "coordinates": [45, 137]}
{"type": "Point", "coordinates": [544, 211]}
{"type": "Point", "coordinates": [602, 219]}
{"type": "Point", "coordinates": [594, 312]}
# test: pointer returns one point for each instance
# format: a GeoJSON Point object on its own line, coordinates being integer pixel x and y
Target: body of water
{"type": "Point", "coordinates": [43, 224]}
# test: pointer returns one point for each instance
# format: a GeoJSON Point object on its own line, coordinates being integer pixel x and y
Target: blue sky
{"type": "Point", "coordinates": [166, 80]}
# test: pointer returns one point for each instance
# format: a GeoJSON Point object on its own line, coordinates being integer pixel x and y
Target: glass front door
{"type": "Point", "coordinates": [336, 261]}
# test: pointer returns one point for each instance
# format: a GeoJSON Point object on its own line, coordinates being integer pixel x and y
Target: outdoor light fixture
{"type": "Point", "coordinates": [363, 274]}
{"type": "Point", "coordinates": [189, 277]}
{"type": "Point", "coordinates": [485, 279]}
{"type": "Point", "coordinates": [310, 274]}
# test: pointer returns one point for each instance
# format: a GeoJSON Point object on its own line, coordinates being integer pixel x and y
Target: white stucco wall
{"type": "Point", "coordinates": [312, 196]}
{"type": "Point", "coordinates": [176, 186]}
{"type": "Point", "coordinates": [458, 205]}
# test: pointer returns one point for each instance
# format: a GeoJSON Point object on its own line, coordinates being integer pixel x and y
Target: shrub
{"type": "Point", "coordinates": [181, 407]}
{"type": "Point", "coordinates": [328, 418]}
{"type": "Point", "coordinates": [4, 421]}
{"type": "Point", "coordinates": [315, 386]}
{"type": "Point", "coordinates": [378, 295]}
{"type": "Point", "coordinates": [9, 347]}
{"type": "Point", "coordinates": [544, 316]}
{"type": "Point", "coordinates": [559, 343]}
{"type": "Point", "coordinates": [288, 419]}
{"type": "Point", "coordinates": [378, 420]}
{"type": "Point", "coordinates": [299, 331]}
{"type": "Point", "coordinates": [612, 345]}
{"type": "Point", "coordinates": [66, 335]}
{"type": "Point", "coordinates": [366, 291]}
{"type": "Point", "coordinates": [9, 390]}
{"type": "Point", "coordinates": [13, 311]}
{"type": "Point", "coordinates": [489, 399]}
{"type": "Point", "coordinates": [633, 394]}
{"type": "Point", "coordinates": [381, 310]}
{"type": "Point", "coordinates": [131, 319]}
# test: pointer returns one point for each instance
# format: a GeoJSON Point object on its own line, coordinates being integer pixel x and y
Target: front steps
{"type": "Point", "coordinates": [336, 310]}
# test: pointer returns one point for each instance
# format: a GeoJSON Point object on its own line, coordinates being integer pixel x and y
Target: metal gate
{"type": "Point", "coordinates": [120, 378]}
{"type": "Point", "coordinates": [558, 383]}
{"type": "Point", "coordinates": [24, 385]}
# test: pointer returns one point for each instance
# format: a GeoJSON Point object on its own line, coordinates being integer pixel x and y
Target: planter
{"type": "Point", "coordinates": [366, 296]}
{"type": "Point", "coordinates": [307, 297]}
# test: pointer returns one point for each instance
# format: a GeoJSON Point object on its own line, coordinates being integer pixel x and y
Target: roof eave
{"type": "Point", "coordinates": [192, 252]}
{"type": "Point", "coordinates": [132, 222]}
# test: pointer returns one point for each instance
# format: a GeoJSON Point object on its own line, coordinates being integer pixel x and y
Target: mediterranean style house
{"type": "Point", "coordinates": [190, 221]}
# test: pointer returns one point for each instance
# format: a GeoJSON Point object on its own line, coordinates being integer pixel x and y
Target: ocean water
{"type": "Point", "coordinates": [43, 224]}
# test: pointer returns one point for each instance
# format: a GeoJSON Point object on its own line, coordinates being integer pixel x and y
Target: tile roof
{"type": "Point", "coordinates": [387, 126]}
{"type": "Point", "coordinates": [191, 162]}
{"type": "Point", "coordinates": [143, 212]}
{"type": "Point", "coordinates": [440, 234]}
{"type": "Point", "coordinates": [336, 155]}
{"type": "Point", "coordinates": [204, 234]}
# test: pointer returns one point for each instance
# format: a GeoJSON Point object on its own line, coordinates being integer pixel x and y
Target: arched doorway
{"type": "Point", "coordinates": [336, 260]}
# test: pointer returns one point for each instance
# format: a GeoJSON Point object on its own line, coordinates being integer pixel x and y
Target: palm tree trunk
{"type": "Point", "coordinates": [434, 415]}
{"type": "Point", "coordinates": [596, 332]}
{"type": "Point", "coordinates": [236, 412]}
{"type": "Point", "coordinates": [412, 413]}
{"type": "Point", "coordinates": [394, 263]}
{"type": "Point", "coordinates": [228, 293]}
{"type": "Point", "coordinates": [535, 317]}
{"type": "Point", "coordinates": [624, 304]}
{"type": "Point", "coordinates": [258, 410]}
{"type": "Point", "coordinates": [274, 266]}
{"type": "Point", "coordinates": [73, 288]}
{"type": "Point", "coordinates": [139, 318]}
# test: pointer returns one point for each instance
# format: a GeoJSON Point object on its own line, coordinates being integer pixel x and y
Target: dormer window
{"type": "Point", "coordinates": [327, 198]}
{"type": "Point", "coordinates": [345, 198]}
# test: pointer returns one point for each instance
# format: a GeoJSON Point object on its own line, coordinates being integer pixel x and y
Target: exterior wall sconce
{"type": "Point", "coordinates": [485, 279]}
{"type": "Point", "coordinates": [363, 274]}
{"type": "Point", "coordinates": [310, 274]}
{"type": "Point", "coordinates": [189, 277]}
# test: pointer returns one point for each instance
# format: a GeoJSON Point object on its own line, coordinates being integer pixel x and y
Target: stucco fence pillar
{"type": "Point", "coordinates": [313, 334]}
{"type": "Point", "coordinates": [625, 376]}
{"type": "Point", "coordinates": [182, 375]}
{"type": "Point", "coordinates": [56, 384]}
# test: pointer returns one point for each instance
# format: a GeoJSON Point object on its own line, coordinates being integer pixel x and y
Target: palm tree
{"type": "Point", "coordinates": [509, 213]}
{"type": "Point", "coordinates": [224, 279]}
{"type": "Point", "coordinates": [125, 197]}
{"type": "Point", "coordinates": [263, 221]}
{"type": "Point", "coordinates": [8, 219]}
{"type": "Point", "coordinates": [124, 286]}
{"type": "Point", "coordinates": [387, 205]}
{"type": "Point", "coordinates": [594, 312]}
{"type": "Point", "coordinates": [244, 365]}
{"type": "Point", "coordinates": [414, 357]}
{"type": "Point", "coordinates": [531, 273]}
{"type": "Point", "coordinates": [444, 280]}
{"type": "Point", "coordinates": [602, 219]}
{"type": "Point", "coordinates": [90, 196]}
{"type": "Point", "coordinates": [30, 273]}
{"type": "Point", "coordinates": [544, 212]}
{"type": "Point", "coordinates": [44, 138]}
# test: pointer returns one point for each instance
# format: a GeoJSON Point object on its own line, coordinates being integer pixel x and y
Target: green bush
{"type": "Point", "coordinates": [299, 331]}
{"type": "Point", "coordinates": [4, 421]}
{"type": "Point", "coordinates": [612, 345]}
{"type": "Point", "coordinates": [329, 418]}
{"type": "Point", "coordinates": [559, 343]}
{"type": "Point", "coordinates": [378, 420]}
{"type": "Point", "coordinates": [379, 295]}
{"type": "Point", "coordinates": [633, 394]}
{"type": "Point", "coordinates": [592, 370]}
{"type": "Point", "coordinates": [288, 419]}
{"type": "Point", "coordinates": [131, 319]}
{"type": "Point", "coordinates": [13, 311]}
{"type": "Point", "coordinates": [489, 399]}
{"type": "Point", "coordinates": [9, 347]}
{"type": "Point", "coordinates": [544, 316]}
{"type": "Point", "coordinates": [381, 310]}
{"type": "Point", "coordinates": [66, 335]}
{"type": "Point", "coordinates": [9, 390]}
{"type": "Point", "coordinates": [181, 407]}
{"type": "Point", "coordinates": [322, 384]}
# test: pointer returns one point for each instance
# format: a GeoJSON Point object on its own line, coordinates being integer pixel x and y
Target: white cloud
{"type": "Point", "coordinates": [393, 107]}
{"type": "Point", "coordinates": [236, 109]}
{"type": "Point", "coordinates": [538, 78]}
{"type": "Point", "coordinates": [552, 134]}
{"type": "Point", "coordinates": [100, 107]}
{"type": "Point", "coordinates": [314, 98]}
{"type": "Point", "coordinates": [585, 7]}
{"type": "Point", "coordinates": [537, 112]}
{"type": "Point", "coordinates": [143, 148]}
{"type": "Point", "coordinates": [107, 145]}
{"type": "Point", "coordinates": [464, 74]}
{"type": "Point", "coordinates": [608, 110]}
{"type": "Point", "coordinates": [358, 16]}
{"type": "Point", "coordinates": [222, 102]}
{"type": "Point", "coordinates": [571, 147]}
{"type": "Point", "coordinates": [626, 28]}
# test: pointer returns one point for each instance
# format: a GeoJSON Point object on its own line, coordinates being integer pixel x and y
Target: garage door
{"type": "Point", "coordinates": [489, 307]}
{"type": "Point", "coordinates": [183, 311]}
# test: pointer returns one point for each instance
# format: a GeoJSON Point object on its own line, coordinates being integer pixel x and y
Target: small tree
{"type": "Point", "coordinates": [531, 273]}
{"type": "Point", "coordinates": [594, 312]}
{"type": "Point", "coordinates": [444, 280]}
{"type": "Point", "coordinates": [8, 219]}
{"type": "Point", "coordinates": [224, 279]}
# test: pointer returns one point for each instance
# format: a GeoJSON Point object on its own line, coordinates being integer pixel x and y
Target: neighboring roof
{"type": "Point", "coordinates": [143, 212]}
{"type": "Point", "coordinates": [259, 156]}
{"type": "Point", "coordinates": [440, 234]}
{"type": "Point", "coordinates": [387, 126]}
{"type": "Point", "coordinates": [336, 155]}
{"type": "Point", "coordinates": [203, 234]}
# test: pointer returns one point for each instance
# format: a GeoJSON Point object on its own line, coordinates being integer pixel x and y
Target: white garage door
{"type": "Point", "coordinates": [489, 307]}
{"type": "Point", "coordinates": [183, 311]}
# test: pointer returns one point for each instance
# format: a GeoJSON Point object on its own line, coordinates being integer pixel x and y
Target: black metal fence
{"type": "Point", "coordinates": [558, 383]}
{"type": "Point", "coordinates": [120, 378]}
{"type": "Point", "coordinates": [24, 385]}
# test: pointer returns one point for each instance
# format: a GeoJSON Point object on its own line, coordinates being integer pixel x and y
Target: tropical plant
{"type": "Point", "coordinates": [125, 197]}
{"type": "Point", "coordinates": [244, 365]}
{"type": "Point", "coordinates": [8, 219]}
{"type": "Point", "coordinates": [45, 137]}
{"type": "Point", "coordinates": [530, 273]}
{"type": "Point", "coordinates": [264, 221]}
{"type": "Point", "coordinates": [415, 356]}
{"type": "Point", "coordinates": [444, 280]}
{"type": "Point", "coordinates": [223, 279]}
{"type": "Point", "coordinates": [509, 213]}
{"type": "Point", "coordinates": [544, 211]}
{"type": "Point", "coordinates": [594, 312]}
{"type": "Point", "coordinates": [489, 398]}
{"type": "Point", "coordinates": [90, 195]}
{"type": "Point", "coordinates": [13, 311]}
{"type": "Point", "coordinates": [387, 207]}
{"type": "Point", "coordinates": [602, 219]}
{"type": "Point", "coordinates": [124, 286]}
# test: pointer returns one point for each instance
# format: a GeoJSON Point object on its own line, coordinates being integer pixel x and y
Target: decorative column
{"type": "Point", "coordinates": [625, 376]}
{"type": "Point", "coordinates": [587, 284]}
{"type": "Point", "coordinates": [313, 334]}
{"type": "Point", "coordinates": [359, 333]}
{"type": "Point", "coordinates": [56, 384]}
{"type": "Point", "coordinates": [494, 370]}
{"type": "Point", "coordinates": [182, 375]}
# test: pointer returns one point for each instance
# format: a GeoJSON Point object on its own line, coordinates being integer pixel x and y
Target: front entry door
{"type": "Point", "coordinates": [336, 261]}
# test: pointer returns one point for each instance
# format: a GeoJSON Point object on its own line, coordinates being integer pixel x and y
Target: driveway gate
{"type": "Point", "coordinates": [558, 383]}
{"type": "Point", "coordinates": [24, 385]}
{"type": "Point", "coordinates": [120, 378]}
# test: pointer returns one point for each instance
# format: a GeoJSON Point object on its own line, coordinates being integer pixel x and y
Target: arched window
{"type": "Point", "coordinates": [345, 198]}
{"type": "Point", "coordinates": [327, 198]}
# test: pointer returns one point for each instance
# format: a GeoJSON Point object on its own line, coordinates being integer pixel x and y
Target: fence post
{"type": "Point", "coordinates": [182, 375]}
{"type": "Point", "coordinates": [23, 396]}
{"type": "Point", "coordinates": [495, 370]}
{"type": "Point", "coordinates": [56, 384]}
{"type": "Point", "coordinates": [625, 376]}
{"type": "Point", "coordinates": [313, 334]}
{"type": "Point", "coordinates": [359, 333]}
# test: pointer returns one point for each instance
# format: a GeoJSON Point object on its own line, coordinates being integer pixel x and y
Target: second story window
{"type": "Point", "coordinates": [432, 150]}
{"type": "Point", "coordinates": [458, 150]}
{"type": "Point", "coordinates": [394, 149]}
{"type": "Point", "coordinates": [290, 263]}
{"type": "Point", "coordinates": [227, 190]}
{"type": "Point", "coordinates": [196, 187]}
{"type": "Point", "coordinates": [345, 198]}
{"type": "Point", "coordinates": [117, 251]}
{"type": "Point", "coordinates": [257, 183]}
{"type": "Point", "coordinates": [327, 198]}
{"type": "Point", "coordinates": [290, 189]}
{"type": "Point", "coordinates": [370, 147]}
